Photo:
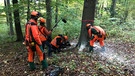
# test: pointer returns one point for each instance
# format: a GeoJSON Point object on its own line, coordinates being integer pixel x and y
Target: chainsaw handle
{"type": "Point", "coordinates": [56, 24]}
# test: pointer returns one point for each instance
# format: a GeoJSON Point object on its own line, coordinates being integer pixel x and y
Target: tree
{"type": "Point", "coordinates": [17, 21]}
{"type": "Point", "coordinates": [112, 9]}
{"type": "Point", "coordinates": [49, 14]}
{"type": "Point", "coordinates": [87, 17]}
{"type": "Point", "coordinates": [56, 11]}
{"type": "Point", "coordinates": [126, 11]}
{"type": "Point", "coordinates": [9, 16]}
{"type": "Point", "coordinates": [28, 10]}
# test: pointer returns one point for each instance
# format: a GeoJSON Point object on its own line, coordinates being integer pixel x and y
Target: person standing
{"type": "Point", "coordinates": [43, 34]}
{"type": "Point", "coordinates": [96, 33]}
{"type": "Point", "coordinates": [33, 42]}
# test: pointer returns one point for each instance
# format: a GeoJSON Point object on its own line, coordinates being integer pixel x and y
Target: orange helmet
{"type": "Point", "coordinates": [88, 25]}
{"type": "Point", "coordinates": [66, 37]}
{"type": "Point", "coordinates": [34, 13]}
{"type": "Point", "coordinates": [42, 20]}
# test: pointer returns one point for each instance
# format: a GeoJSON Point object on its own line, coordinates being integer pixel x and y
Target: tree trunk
{"type": "Point", "coordinates": [56, 12]}
{"type": "Point", "coordinates": [48, 14]}
{"type": "Point", "coordinates": [6, 7]}
{"type": "Point", "coordinates": [87, 17]}
{"type": "Point", "coordinates": [112, 9]}
{"type": "Point", "coordinates": [126, 11]}
{"type": "Point", "coordinates": [17, 21]}
{"type": "Point", "coordinates": [28, 10]}
{"type": "Point", "coordinates": [9, 17]}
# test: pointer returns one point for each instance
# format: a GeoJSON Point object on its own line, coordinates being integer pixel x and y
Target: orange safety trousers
{"type": "Point", "coordinates": [31, 53]}
{"type": "Point", "coordinates": [96, 38]}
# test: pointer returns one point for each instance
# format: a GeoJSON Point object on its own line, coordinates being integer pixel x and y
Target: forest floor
{"type": "Point", "coordinates": [117, 60]}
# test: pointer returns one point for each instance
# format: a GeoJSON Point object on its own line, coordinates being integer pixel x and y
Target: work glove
{"type": "Point", "coordinates": [102, 48]}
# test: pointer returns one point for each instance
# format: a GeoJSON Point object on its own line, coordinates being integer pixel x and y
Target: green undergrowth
{"type": "Point", "coordinates": [123, 31]}
{"type": "Point", "coordinates": [4, 34]}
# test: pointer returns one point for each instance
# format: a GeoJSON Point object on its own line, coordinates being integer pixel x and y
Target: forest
{"type": "Point", "coordinates": [115, 17]}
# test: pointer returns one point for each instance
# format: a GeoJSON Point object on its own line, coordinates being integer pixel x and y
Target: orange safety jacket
{"type": "Point", "coordinates": [98, 29]}
{"type": "Point", "coordinates": [43, 33]}
{"type": "Point", "coordinates": [32, 32]}
{"type": "Point", "coordinates": [54, 41]}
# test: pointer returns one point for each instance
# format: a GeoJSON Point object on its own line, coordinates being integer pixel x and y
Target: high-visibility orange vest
{"type": "Point", "coordinates": [98, 29]}
{"type": "Point", "coordinates": [32, 32]}
{"type": "Point", "coordinates": [53, 42]}
{"type": "Point", "coordinates": [43, 33]}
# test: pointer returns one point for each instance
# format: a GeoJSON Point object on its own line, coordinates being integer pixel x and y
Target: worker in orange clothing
{"type": "Point", "coordinates": [96, 33]}
{"type": "Point", "coordinates": [33, 42]}
{"type": "Point", "coordinates": [65, 42]}
{"type": "Point", "coordinates": [58, 42]}
{"type": "Point", "coordinates": [43, 34]}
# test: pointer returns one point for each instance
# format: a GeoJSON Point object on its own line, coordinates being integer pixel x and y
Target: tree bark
{"type": "Point", "coordinates": [17, 21]}
{"type": "Point", "coordinates": [56, 12]}
{"type": "Point", "coordinates": [28, 10]}
{"type": "Point", "coordinates": [126, 11]}
{"type": "Point", "coordinates": [9, 17]}
{"type": "Point", "coordinates": [112, 9]}
{"type": "Point", "coordinates": [48, 14]}
{"type": "Point", "coordinates": [87, 17]}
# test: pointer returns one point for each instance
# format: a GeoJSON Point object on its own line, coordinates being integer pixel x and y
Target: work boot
{"type": "Point", "coordinates": [91, 49]}
{"type": "Point", "coordinates": [49, 53]}
{"type": "Point", "coordinates": [32, 66]}
{"type": "Point", "coordinates": [44, 64]}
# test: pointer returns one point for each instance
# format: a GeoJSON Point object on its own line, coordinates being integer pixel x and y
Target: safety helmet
{"type": "Point", "coordinates": [34, 13]}
{"type": "Point", "coordinates": [88, 25]}
{"type": "Point", "coordinates": [42, 20]}
{"type": "Point", "coordinates": [66, 37]}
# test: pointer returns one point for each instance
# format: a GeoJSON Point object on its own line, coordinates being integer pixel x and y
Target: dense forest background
{"type": "Point", "coordinates": [116, 17]}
